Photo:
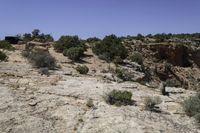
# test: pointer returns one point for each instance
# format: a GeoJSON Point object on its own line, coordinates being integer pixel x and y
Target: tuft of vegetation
{"type": "Point", "coordinates": [6, 45]}
{"type": "Point", "coordinates": [3, 56]}
{"type": "Point", "coordinates": [122, 74]}
{"type": "Point", "coordinates": [27, 37]}
{"type": "Point", "coordinates": [44, 71]}
{"type": "Point", "coordinates": [40, 59]}
{"type": "Point", "coordinates": [151, 102]}
{"type": "Point", "coordinates": [67, 42]}
{"type": "Point", "coordinates": [192, 106]}
{"type": "Point", "coordinates": [37, 36]}
{"type": "Point", "coordinates": [90, 103]}
{"type": "Point", "coordinates": [93, 40]}
{"type": "Point", "coordinates": [110, 47]}
{"type": "Point", "coordinates": [82, 69]}
{"type": "Point", "coordinates": [137, 57]}
{"type": "Point", "coordinates": [140, 37]}
{"type": "Point", "coordinates": [119, 98]}
{"type": "Point", "coordinates": [74, 53]}
{"type": "Point", "coordinates": [118, 60]}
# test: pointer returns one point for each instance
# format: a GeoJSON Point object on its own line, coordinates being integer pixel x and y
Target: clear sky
{"type": "Point", "coordinates": [88, 18]}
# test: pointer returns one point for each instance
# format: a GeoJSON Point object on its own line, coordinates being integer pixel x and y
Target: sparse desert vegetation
{"type": "Point", "coordinates": [6, 45]}
{"type": "Point", "coordinates": [109, 48]}
{"type": "Point", "coordinates": [151, 102]}
{"type": "Point", "coordinates": [70, 46]}
{"type": "Point", "coordinates": [100, 66]}
{"type": "Point", "coordinates": [40, 59]}
{"type": "Point", "coordinates": [82, 69]}
{"type": "Point", "coordinates": [3, 56]}
{"type": "Point", "coordinates": [119, 98]}
{"type": "Point", "coordinates": [137, 80]}
{"type": "Point", "coordinates": [74, 53]}
{"type": "Point", "coordinates": [35, 35]}
{"type": "Point", "coordinates": [192, 106]}
{"type": "Point", "coordinates": [136, 57]}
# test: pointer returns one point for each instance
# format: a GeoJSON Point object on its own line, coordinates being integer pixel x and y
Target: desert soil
{"type": "Point", "coordinates": [35, 103]}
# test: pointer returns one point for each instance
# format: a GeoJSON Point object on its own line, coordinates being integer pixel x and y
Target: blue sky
{"type": "Point", "coordinates": [87, 18]}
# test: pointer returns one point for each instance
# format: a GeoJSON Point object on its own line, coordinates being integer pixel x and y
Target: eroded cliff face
{"type": "Point", "coordinates": [174, 63]}
{"type": "Point", "coordinates": [176, 54]}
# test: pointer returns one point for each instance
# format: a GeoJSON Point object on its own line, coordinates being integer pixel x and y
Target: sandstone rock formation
{"type": "Point", "coordinates": [37, 45]}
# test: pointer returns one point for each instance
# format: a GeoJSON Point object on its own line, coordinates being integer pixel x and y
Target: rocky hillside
{"type": "Point", "coordinates": [66, 101]}
{"type": "Point", "coordinates": [176, 63]}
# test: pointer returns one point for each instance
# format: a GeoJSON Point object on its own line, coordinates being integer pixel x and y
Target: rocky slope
{"type": "Point", "coordinates": [30, 102]}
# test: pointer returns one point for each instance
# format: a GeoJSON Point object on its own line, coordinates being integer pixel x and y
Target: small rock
{"type": "Point", "coordinates": [22, 88]}
{"type": "Point", "coordinates": [23, 81]}
{"type": "Point", "coordinates": [32, 103]}
{"type": "Point", "coordinates": [68, 73]}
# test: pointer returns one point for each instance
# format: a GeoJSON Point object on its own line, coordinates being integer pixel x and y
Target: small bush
{"type": "Point", "coordinates": [74, 53]}
{"type": "Point", "coordinates": [25, 53]}
{"type": "Point", "coordinates": [3, 56]}
{"type": "Point", "coordinates": [92, 40]}
{"type": "Point", "coordinates": [90, 103]}
{"type": "Point", "coordinates": [36, 36]}
{"type": "Point", "coordinates": [118, 60]}
{"type": "Point", "coordinates": [192, 105]}
{"type": "Point", "coordinates": [122, 74]}
{"type": "Point", "coordinates": [44, 71]}
{"type": "Point", "coordinates": [119, 98]}
{"type": "Point", "coordinates": [150, 103]}
{"type": "Point", "coordinates": [109, 48]}
{"type": "Point", "coordinates": [82, 69]}
{"type": "Point", "coordinates": [137, 57]}
{"type": "Point", "coordinates": [66, 42]}
{"type": "Point", "coordinates": [40, 59]}
{"type": "Point", "coordinates": [6, 45]}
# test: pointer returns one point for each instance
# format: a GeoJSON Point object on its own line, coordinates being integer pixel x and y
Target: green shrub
{"type": "Point", "coordinates": [66, 42]}
{"type": "Point", "coordinates": [109, 48]}
{"type": "Point", "coordinates": [137, 57]}
{"type": "Point", "coordinates": [25, 53]}
{"type": "Point", "coordinates": [119, 98]}
{"type": "Point", "coordinates": [92, 40]}
{"type": "Point", "coordinates": [40, 59]}
{"type": "Point", "coordinates": [74, 53]}
{"type": "Point", "coordinates": [6, 45]}
{"type": "Point", "coordinates": [192, 105]}
{"type": "Point", "coordinates": [118, 60]}
{"type": "Point", "coordinates": [3, 56]}
{"type": "Point", "coordinates": [122, 74]}
{"type": "Point", "coordinates": [45, 38]}
{"type": "Point", "coordinates": [90, 103]}
{"type": "Point", "coordinates": [140, 37]}
{"type": "Point", "coordinates": [82, 69]}
{"type": "Point", "coordinates": [36, 36]}
{"type": "Point", "coordinates": [27, 37]}
{"type": "Point", "coordinates": [150, 103]}
{"type": "Point", "coordinates": [44, 71]}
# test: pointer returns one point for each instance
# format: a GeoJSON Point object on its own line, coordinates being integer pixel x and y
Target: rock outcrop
{"type": "Point", "coordinates": [37, 45]}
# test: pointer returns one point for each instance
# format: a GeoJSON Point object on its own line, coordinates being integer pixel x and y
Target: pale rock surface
{"type": "Point", "coordinates": [30, 103]}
